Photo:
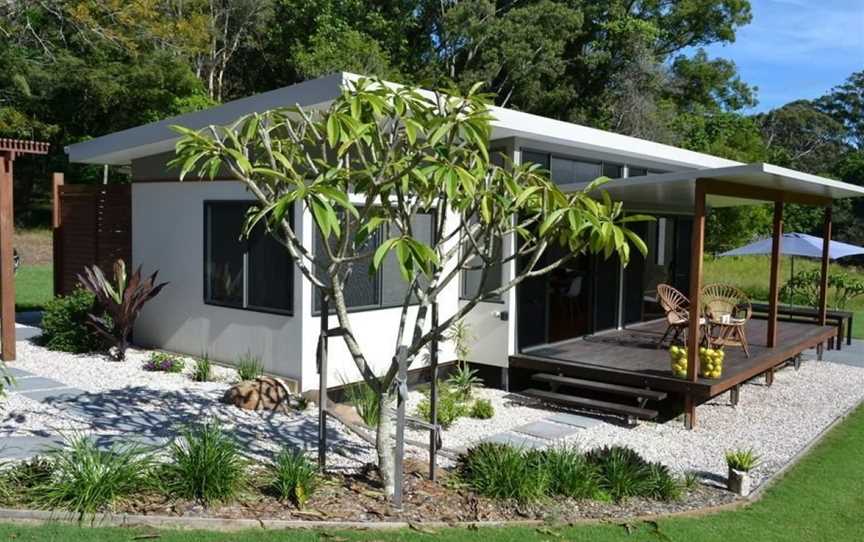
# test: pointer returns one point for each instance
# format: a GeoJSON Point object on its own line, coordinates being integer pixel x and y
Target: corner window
{"type": "Point", "coordinates": [256, 273]}
{"type": "Point", "coordinates": [384, 289]}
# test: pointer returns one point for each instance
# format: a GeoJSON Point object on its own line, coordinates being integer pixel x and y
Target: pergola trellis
{"type": "Point", "coordinates": [9, 150]}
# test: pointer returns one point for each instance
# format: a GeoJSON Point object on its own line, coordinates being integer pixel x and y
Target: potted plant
{"type": "Point", "coordinates": [740, 463]}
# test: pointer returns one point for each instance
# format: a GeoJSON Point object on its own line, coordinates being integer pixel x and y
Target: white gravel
{"type": "Point", "coordinates": [776, 422]}
{"type": "Point", "coordinates": [124, 391]}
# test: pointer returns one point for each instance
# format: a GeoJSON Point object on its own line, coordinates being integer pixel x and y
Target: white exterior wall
{"type": "Point", "coordinates": [168, 235]}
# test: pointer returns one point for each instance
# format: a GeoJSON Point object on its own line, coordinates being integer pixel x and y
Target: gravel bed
{"type": "Point", "coordinates": [122, 397]}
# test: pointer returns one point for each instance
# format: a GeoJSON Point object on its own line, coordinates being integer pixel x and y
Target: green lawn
{"type": "Point", "coordinates": [751, 274]}
{"type": "Point", "coordinates": [819, 500]}
{"type": "Point", "coordinates": [34, 286]}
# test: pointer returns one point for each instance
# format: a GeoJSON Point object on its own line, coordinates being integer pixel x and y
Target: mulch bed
{"type": "Point", "coordinates": [359, 498]}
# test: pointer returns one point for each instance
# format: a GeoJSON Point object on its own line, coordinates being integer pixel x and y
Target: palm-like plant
{"type": "Point", "coordinates": [122, 302]}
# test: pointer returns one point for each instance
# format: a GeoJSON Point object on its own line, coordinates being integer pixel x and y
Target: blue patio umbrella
{"type": "Point", "coordinates": [798, 244]}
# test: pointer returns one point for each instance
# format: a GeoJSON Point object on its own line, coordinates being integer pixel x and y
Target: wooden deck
{"type": "Point", "coordinates": [630, 357]}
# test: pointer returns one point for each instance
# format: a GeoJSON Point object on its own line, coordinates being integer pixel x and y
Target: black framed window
{"type": "Point", "coordinates": [570, 170]}
{"type": "Point", "coordinates": [384, 289]}
{"type": "Point", "coordinates": [472, 278]}
{"type": "Point", "coordinates": [255, 273]}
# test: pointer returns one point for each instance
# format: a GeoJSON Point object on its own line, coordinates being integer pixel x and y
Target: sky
{"type": "Point", "coordinates": [795, 49]}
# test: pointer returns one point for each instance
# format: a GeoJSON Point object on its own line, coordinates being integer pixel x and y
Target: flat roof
{"type": "Point", "coordinates": [676, 191]}
{"type": "Point", "coordinates": [120, 148]}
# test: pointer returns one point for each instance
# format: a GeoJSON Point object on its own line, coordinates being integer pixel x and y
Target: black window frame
{"type": "Point", "coordinates": [245, 306]}
{"type": "Point", "coordinates": [379, 279]}
{"type": "Point", "coordinates": [603, 163]}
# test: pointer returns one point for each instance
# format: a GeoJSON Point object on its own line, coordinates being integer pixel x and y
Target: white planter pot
{"type": "Point", "coordinates": [738, 482]}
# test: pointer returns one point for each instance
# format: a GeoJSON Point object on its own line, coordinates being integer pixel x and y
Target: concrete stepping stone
{"type": "Point", "coordinates": [16, 373]}
{"type": "Point", "coordinates": [60, 397]}
{"type": "Point", "coordinates": [26, 446]}
{"type": "Point", "coordinates": [575, 420]}
{"type": "Point", "coordinates": [37, 383]}
{"type": "Point", "coordinates": [516, 440]}
{"type": "Point", "coordinates": [545, 430]}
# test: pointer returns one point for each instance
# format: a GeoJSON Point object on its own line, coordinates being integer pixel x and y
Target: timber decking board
{"type": "Point", "coordinates": [599, 386]}
{"type": "Point", "coordinates": [630, 357]}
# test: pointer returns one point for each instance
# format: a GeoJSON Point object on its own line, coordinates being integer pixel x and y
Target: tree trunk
{"type": "Point", "coordinates": [384, 443]}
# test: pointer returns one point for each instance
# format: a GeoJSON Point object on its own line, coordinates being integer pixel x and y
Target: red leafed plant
{"type": "Point", "coordinates": [121, 301]}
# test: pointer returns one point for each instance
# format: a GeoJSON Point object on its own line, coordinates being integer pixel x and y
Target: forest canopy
{"type": "Point", "coordinates": [78, 69]}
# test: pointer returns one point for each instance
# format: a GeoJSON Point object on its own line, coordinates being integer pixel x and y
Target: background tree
{"type": "Point", "coordinates": [371, 165]}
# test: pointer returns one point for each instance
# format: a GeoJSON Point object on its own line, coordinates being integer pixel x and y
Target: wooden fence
{"type": "Point", "coordinates": [92, 225]}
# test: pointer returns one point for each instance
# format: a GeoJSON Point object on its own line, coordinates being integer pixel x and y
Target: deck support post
{"type": "Point", "coordinates": [7, 259]}
{"type": "Point", "coordinates": [774, 286]}
{"type": "Point", "coordinates": [735, 394]}
{"type": "Point", "coordinates": [694, 329]}
{"type": "Point", "coordinates": [56, 222]}
{"type": "Point", "coordinates": [322, 381]}
{"type": "Point", "coordinates": [769, 377]}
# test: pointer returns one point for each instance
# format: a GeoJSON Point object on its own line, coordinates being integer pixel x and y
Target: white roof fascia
{"type": "Point", "coordinates": [119, 148]}
{"type": "Point", "coordinates": [511, 123]}
{"type": "Point", "coordinates": [676, 190]}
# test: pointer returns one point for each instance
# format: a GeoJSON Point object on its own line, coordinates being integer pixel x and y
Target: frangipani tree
{"type": "Point", "coordinates": [377, 158]}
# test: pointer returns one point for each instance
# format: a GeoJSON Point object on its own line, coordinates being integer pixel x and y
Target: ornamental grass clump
{"type": "Point", "coordinates": [365, 401]}
{"type": "Point", "coordinates": [164, 363]}
{"type": "Point", "coordinates": [571, 475]}
{"type": "Point", "coordinates": [501, 471]}
{"type": "Point", "coordinates": [249, 367]}
{"type": "Point", "coordinates": [624, 474]}
{"type": "Point", "coordinates": [86, 479]}
{"type": "Point", "coordinates": [203, 370]}
{"type": "Point", "coordinates": [205, 465]}
{"type": "Point", "coordinates": [292, 477]}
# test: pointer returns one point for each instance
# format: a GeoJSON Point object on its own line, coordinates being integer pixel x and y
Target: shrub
{"type": "Point", "coordinates": [206, 465]}
{"type": "Point", "coordinates": [64, 323]}
{"type": "Point", "coordinates": [624, 473]}
{"type": "Point", "coordinates": [570, 474]}
{"type": "Point", "coordinates": [482, 409]}
{"type": "Point", "coordinates": [463, 380]}
{"type": "Point", "coordinates": [164, 362]}
{"type": "Point", "coordinates": [249, 367]}
{"type": "Point", "coordinates": [86, 479]}
{"type": "Point", "coordinates": [365, 401]}
{"type": "Point", "coordinates": [504, 472]}
{"type": "Point", "coordinates": [292, 477]}
{"type": "Point", "coordinates": [742, 460]}
{"type": "Point", "coordinates": [121, 301]}
{"type": "Point", "coordinates": [451, 407]}
{"type": "Point", "coordinates": [203, 370]}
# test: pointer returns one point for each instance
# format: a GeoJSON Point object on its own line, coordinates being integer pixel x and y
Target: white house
{"type": "Point", "coordinates": [188, 231]}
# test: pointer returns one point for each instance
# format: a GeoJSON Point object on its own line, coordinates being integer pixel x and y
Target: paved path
{"type": "Point", "coordinates": [545, 432]}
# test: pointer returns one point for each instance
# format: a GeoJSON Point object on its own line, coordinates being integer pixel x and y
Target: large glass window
{"type": "Point", "coordinates": [255, 273]}
{"type": "Point", "coordinates": [567, 171]}
{"type": "Point", "coordinates": [472, 278]}
{"type": "Point", "coordinates": [384, 289]}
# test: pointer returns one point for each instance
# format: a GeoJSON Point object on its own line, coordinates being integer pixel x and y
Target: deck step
{"type": "Point", "coordinates": [584, 402]}
{"type": "Point", "coordinates": [599, 386]}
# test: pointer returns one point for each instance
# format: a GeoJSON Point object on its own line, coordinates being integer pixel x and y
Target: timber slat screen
{"type": "Point", "coordinates": [93, 225]}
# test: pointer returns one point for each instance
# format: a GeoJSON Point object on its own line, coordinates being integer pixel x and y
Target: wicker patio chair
{"type": "Point", "coordinates": [677, 308]}
{"type": "Point", "coordinates": [728, 310]}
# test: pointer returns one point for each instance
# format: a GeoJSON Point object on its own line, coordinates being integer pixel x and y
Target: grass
{"type": "Point", "coordinates": [249, 367]}
{"type": "Point", "coordinates": [751, 274]}
{"type": "Point", "coordinates": [34, 286]}
{"type": "Point", "coordinates": [819, 500]}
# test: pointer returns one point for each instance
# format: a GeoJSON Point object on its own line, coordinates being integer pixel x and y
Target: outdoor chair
{"type": "Point", "coordinates": [728, 310]}
{"type": "Point", "coordinates": [677, 308]}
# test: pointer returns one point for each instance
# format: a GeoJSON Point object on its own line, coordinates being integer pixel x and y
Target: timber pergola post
{"type": "Point", "coordinates": [705, 187]}
{"type": "Point", "coordinates": [9, 150]}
